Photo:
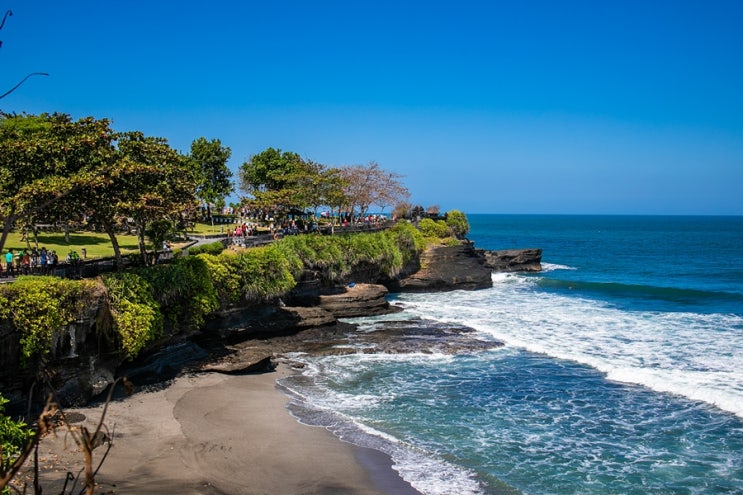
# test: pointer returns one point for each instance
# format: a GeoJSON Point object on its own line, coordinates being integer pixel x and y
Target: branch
{"type": "Point", "coordinates": [8, 13]}
{"type": "Point", "coordinates": [22, 81]}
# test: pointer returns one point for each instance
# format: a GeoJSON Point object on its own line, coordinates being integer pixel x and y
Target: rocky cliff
{"type": "Point", "coordinates": [444, 268]}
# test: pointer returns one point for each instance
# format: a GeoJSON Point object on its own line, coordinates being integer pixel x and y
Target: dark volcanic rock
{"type": "Point", "coordinates": [514, 260]}
{"type": "Point", "coordinates": [357, 300]}
{"type": "Point", "coordinates": [165, 364]}
{"type": "Point", "coordinates": [444, 268]}
{"type": "Point", "coordinates": [267, 321]}
{"type": "Point", "coordinates": [237, 366]}
{"type": "Point", "coordinates": [392, 337]}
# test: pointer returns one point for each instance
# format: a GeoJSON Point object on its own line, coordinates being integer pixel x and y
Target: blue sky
{"type": "Point", "coordinates": [484, 106]}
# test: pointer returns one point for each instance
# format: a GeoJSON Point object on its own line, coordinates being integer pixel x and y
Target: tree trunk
{"type": "Point", "coordinates": [109, 229]}
{"type": "Point", "coordinates": [142, 246]}
{"type": "Point", "coordinates": [7, 224]}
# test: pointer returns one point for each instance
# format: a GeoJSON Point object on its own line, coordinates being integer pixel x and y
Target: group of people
{"type": "Point", "coordinates": [244, 230]}
{"type": "Point", "coordinates": [29, 262]}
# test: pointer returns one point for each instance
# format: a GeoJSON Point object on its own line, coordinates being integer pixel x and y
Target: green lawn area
{"type": "Point", "coordinates": [97, 245]}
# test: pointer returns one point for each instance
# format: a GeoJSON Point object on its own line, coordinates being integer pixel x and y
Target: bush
{"type": "Point", "coordinates": [224, 275]}
{"type": "Point", "coordinates": [184, 290]}
{"type": "Point", "coordinates": [318, 252]}
{"type": "Point", "coordinates": [38, 306]}
{"type": "Point", "coordinates": [457, 222]}
{"type": "Point", "coordinates": [213, 248]}
{"type": "Point", "coordinates": [136, 315]}
{"type": "Point", "coordinates": [409, 239]}
{"type": "Point", "coordinates": [265, 273]}
{"type": "Point", "coordinates": [13, 437]}
{"type": "Point", "coordinates": [434, 228]}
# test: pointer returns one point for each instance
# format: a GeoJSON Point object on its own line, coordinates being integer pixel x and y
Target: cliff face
{"type": "Point", "coordinates": [444, 268]}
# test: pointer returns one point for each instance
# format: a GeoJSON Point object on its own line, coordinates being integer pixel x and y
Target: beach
{"type": "Point", "coordinates": [212, 433]}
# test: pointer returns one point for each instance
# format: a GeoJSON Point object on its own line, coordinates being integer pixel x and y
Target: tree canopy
{"type": "Point", "coordinates": [279, 182]}
{"type": "Point", "coordinates": [54, 169]}
{"type": "Point", "coordinates": [214, 176]}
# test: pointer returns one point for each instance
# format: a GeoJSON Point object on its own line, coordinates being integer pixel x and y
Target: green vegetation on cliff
{"type": "Point", "coordinates": [146, 302]}
{"type": "Point", "coordinates": [37, 306]}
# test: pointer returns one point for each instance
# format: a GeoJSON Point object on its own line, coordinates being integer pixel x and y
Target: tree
{"type": "Point", "coordinates": [215, 178]}
{"type": "Point", "coordinates": [368, 185]}
{"type": "Point", "coordinates": [391, 190]}
{"type": "Point", "coordinates": [159, 232]}
{"type": "Point", "coordinates": [44, 161]}
{"type": "Point", "coordinates": [331, 191]}
{"type": "Point", "coordinates": [278, 182]}
{"type": "Point", "coordinates": [155, 182]}
{"type": "Point", "coordinates": [403, 209]}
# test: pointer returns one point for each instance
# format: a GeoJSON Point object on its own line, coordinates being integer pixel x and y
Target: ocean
{"type": "Point", "coordinates": [621, 373]}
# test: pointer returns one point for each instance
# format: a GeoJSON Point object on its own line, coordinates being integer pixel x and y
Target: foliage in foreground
{"type": "Point", "coordinates": [13, 437]}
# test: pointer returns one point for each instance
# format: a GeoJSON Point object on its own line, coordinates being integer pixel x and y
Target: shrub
{"type": "Point", "coordinates": [213, 248]}
{"type": "Point", "coordinates": [408, 238]}
{"type": "Point", "coordinates": [136, 315]}
{"type": "Point", "coordinates": [318, 252]}
{"type": "Point", "coordinates": [264, 272]}
{"type": "Point", "coordinates": [434, 228]}
{"type": "Point", "coordinates": [378, 249]}
{"type": "Point", "coordinates": [457, 222]}
{"type": "Point", "coordinates": [223, 270]}
{"type": "Point", "coordinates": [38, 306]}
{"type": "Point", "coordinates": [13, 436]}
{"type": "Point", "coordinates": [335, 257]}
{"type": "Point", "coordinates": [184, 290]}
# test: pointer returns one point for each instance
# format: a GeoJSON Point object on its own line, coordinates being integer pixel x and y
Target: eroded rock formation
{"type": "Point", "coordinates": [444, 268]}
{"type": "Point", "coordinates": [514, 260]}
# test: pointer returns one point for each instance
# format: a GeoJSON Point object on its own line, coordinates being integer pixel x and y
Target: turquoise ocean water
{"type": "Point", "coordinates": [622, 370]}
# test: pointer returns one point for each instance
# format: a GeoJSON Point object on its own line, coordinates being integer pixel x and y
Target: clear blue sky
{"type": "Point", "coordinates": [484, 106]}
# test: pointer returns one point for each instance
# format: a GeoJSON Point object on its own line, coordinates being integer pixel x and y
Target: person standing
{"type": "Point", "coordinates": [9, 262]}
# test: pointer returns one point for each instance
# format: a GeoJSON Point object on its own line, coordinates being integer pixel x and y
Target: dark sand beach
{"type": "Point", "coordinates": [220, 434]}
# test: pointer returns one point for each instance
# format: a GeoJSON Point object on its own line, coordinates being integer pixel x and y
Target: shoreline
{"type": "Point", "coordinates": [214, 433]}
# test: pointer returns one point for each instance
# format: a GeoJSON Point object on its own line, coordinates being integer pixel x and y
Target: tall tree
{"type": "Point", "coordinates": [156, 182]}
{"type": "Point", "coordinates": [44, 160]}
{"type": "Point", "coordinates": [331, 191]}
{"type": "Point", "coordinates": [215, 178]}
{"type": "Point", "coordinates": [277, 181]}
{"type": "Point", "coordinates": [368, 185]}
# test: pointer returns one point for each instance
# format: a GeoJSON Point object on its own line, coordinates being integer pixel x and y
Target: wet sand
{"type": "Point", "coordinates": [221, 434]}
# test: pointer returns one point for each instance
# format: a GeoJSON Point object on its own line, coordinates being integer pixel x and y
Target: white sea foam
{"type": "Point", "coordinates": [425, 471]}
{"type": "Point", "coordinates": [689, 354]}
{"type": "Point", "coordinates": [551, 267]}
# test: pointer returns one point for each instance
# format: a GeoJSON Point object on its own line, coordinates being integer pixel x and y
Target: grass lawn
{"type": "Point", "coordinates": [97, 244]}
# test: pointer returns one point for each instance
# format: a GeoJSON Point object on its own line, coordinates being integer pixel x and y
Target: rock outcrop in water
{"type": "Point", "coordinates": [514, 260]}
{"type": "Point", "coordinates": [356, 299]}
